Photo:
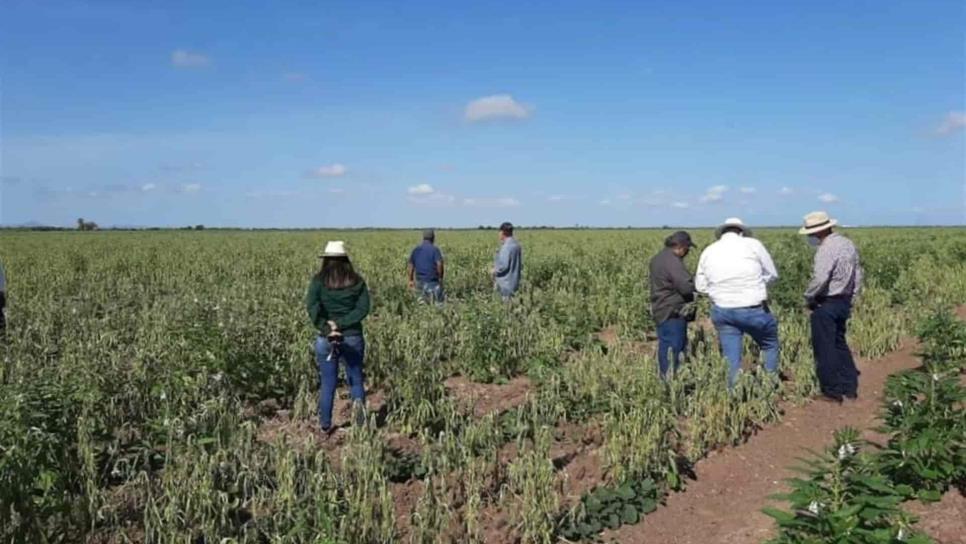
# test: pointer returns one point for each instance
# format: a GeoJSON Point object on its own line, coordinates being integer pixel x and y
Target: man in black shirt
{"type": "Point", "coordinates": [672, 297]}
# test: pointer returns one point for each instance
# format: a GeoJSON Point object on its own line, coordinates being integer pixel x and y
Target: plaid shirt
{"type": "Point", "coordinates": [837, 271]}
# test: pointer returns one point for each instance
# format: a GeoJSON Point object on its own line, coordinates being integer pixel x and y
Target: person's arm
{"type": "Point", "coordinates": [821, 276]}
{"type": "Point", "coordinates": [681, 279]}
{"type": "Point", "coordinates": [701, 283]}
{"type": "Point", "coordinates": [440, 268]}
{"type": "Point", "coordinates": [313, 304]}
{"type": "Point", "coordinates": [412, 274]}
{"type": "Point", "coordinates": [502, 264]}
{"type": "Point", "coordinates": [768, 271]}
{"type": "Point", "coordinates": [358, 313]}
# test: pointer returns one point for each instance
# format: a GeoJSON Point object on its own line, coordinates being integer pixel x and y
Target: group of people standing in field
{"type": "Point", "coordinates": [338, 301]}
{"type": "Point", "coordinates": [734, 272]}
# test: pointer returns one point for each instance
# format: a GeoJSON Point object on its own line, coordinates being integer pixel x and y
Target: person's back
{"type": "Point", "coordinates": [424, 258]}
{"type": "Point", "coordinates": [732, 271]}
{"type": "Point", "coordinates": [509, 266]}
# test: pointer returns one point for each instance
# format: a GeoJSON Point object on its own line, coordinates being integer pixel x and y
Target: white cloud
{"type": "Point", "coordinates": [421, 189]}
{"type": "Point", "coordinates": [148, 187]}
{"type": "Point", "coordinates": [680, 205]}
{"type": "Point", "coordinates": [954, 120]}
{"type": "Point", "coordinates": [500, 202]}
{"type": "Point", "coordinates": [432, 199]}
{"type": "Point", "coordinates": [828, 198]}
{"type": "Point", "coordinates": [495, 107]}
{"type": "Point", "coordinates": [182, 58]}
{"type": "Point", "coordinates": [333, 170]}
{"type": "Point", "coordinates": [748, 190]}
{"type": "Point", "coordinates": [605, 202]}
{"type": "Point", "coordinates": [786, 191]}
{"type": "Point", "coordinates": [714, 194]}
{"type": "Point", "coordinates": [189, 188]}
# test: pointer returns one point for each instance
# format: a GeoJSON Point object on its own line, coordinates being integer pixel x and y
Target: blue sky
{"type": "Point", "coordinates": [328, 114]}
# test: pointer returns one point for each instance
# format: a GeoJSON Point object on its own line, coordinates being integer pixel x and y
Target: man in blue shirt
{"type": "Point", "coordinates": [508, 265]}
{"type": "Point", "coordinates": [426, 269]}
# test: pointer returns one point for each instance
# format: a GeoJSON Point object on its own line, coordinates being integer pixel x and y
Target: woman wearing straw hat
{"type": "Point", "coordinates": [337, 302]}
{"type": "Point", "coordinates": [836, 280]}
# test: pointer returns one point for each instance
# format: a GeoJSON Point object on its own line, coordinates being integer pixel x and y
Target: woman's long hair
{"type": "Point", "coordinates": [337, 273]}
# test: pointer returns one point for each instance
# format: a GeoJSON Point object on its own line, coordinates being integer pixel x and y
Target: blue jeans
{"type": "Point", "coordinates": [733, 323]}
{"type": "Point", "coordinates": [672, 334]}
{"type": "Point", "coordinates": [352, 351]}
{"type": "Point", "coordinates": [430, 291]}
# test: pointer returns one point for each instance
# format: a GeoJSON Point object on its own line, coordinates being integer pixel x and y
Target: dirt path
{"type": "Point", "coordinates": [733, 485]}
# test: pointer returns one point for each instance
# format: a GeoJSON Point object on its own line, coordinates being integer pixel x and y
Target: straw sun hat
{"type": "Point", "coordinates": [334, 248]}
{"type": "Point", "coordinates": [817, 222]}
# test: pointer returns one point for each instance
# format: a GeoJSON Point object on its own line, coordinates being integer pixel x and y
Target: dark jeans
{"type": "Point", "coordinates": [759, 323]}
{"type": "Point", "coordinates": [672, 335]}
{"type": "Point", "coordinates": [834, 365]}
{"type": "Point", "coordinates": [352, 351]}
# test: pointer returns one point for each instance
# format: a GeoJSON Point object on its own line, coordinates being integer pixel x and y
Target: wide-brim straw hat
{"type": "Point", "coordinates": [732, 222]}
{"type": "Point", "coordinates": [817, 222]}
{"type": "Point", "coordinates": [335, 248]}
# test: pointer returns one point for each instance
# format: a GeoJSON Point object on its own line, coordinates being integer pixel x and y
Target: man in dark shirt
{"type": "Point", "coordinates": [672, 297]}
{"type": "Point", "coordinates": [426, 269]}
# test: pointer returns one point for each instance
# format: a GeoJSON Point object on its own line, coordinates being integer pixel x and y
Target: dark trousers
{"type": "Point", "coordinates": [834, 365]}
{"type": "Point", "coordinates": [672, 335]}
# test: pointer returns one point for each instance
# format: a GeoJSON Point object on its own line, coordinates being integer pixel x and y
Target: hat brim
{"type": "Point", "coordinates": [720, 230]}
{"type": "Point", "coordinates": [818, 228]}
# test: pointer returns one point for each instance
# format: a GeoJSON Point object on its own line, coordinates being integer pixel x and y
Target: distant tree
{"type": "Point", "coordinates": [86, 225]}
{"type": "Point", "coordinates": [199, 227]}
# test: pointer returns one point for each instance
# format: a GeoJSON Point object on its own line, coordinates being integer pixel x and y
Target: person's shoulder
{"type": "Point", "coordinates": [755, 243]}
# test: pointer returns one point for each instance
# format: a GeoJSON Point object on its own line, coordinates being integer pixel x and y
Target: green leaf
{"type": "Point", "coordinates": [930, 495]}
{"type": "Point", "coordinates": [779, 515]}
{"type": "Point", "coordinates": [629, 515]}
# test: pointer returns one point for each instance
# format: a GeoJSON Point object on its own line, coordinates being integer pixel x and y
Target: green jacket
{"type": "Point", "coordinates": [346, 307]}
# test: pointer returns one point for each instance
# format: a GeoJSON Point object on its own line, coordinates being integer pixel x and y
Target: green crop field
{"type": "Point", "coordinates": [159, 386]}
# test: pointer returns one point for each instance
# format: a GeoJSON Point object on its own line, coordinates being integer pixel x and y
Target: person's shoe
{"type": "Point", "coordinates": [852, 396]}
{"type": "Point", "coordinates": [835, 399]}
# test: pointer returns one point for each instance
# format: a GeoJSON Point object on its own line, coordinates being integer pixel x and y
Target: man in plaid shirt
{"type": "Point", "coordinates": [836, 280]}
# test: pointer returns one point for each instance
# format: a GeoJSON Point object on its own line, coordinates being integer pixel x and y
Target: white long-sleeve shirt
{"type": "Point", "coordinates": [735, 272]}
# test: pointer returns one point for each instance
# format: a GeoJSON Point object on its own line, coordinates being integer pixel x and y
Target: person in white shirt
{"type": "Point", "coordinates": [735, 272]}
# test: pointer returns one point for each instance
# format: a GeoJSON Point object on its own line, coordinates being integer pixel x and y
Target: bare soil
{"type": "Point", "coordinates": [733, 485]}
{"type": "Point", "coordinates": [944, 521]}
{"type": "Point", "coordinates": [482, 399]}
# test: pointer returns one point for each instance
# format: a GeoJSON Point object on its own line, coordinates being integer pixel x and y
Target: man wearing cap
{"type": "Point", "coordinates": [836, 280]}
{"type": "Point", "coordinates": [672, 295]}
{"type": "Point", "coordinates": [735, 272]}
{"type": "Point", "coordinates": [426, 269]}
{"type": "Point", "coordinates": [508, 264]}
